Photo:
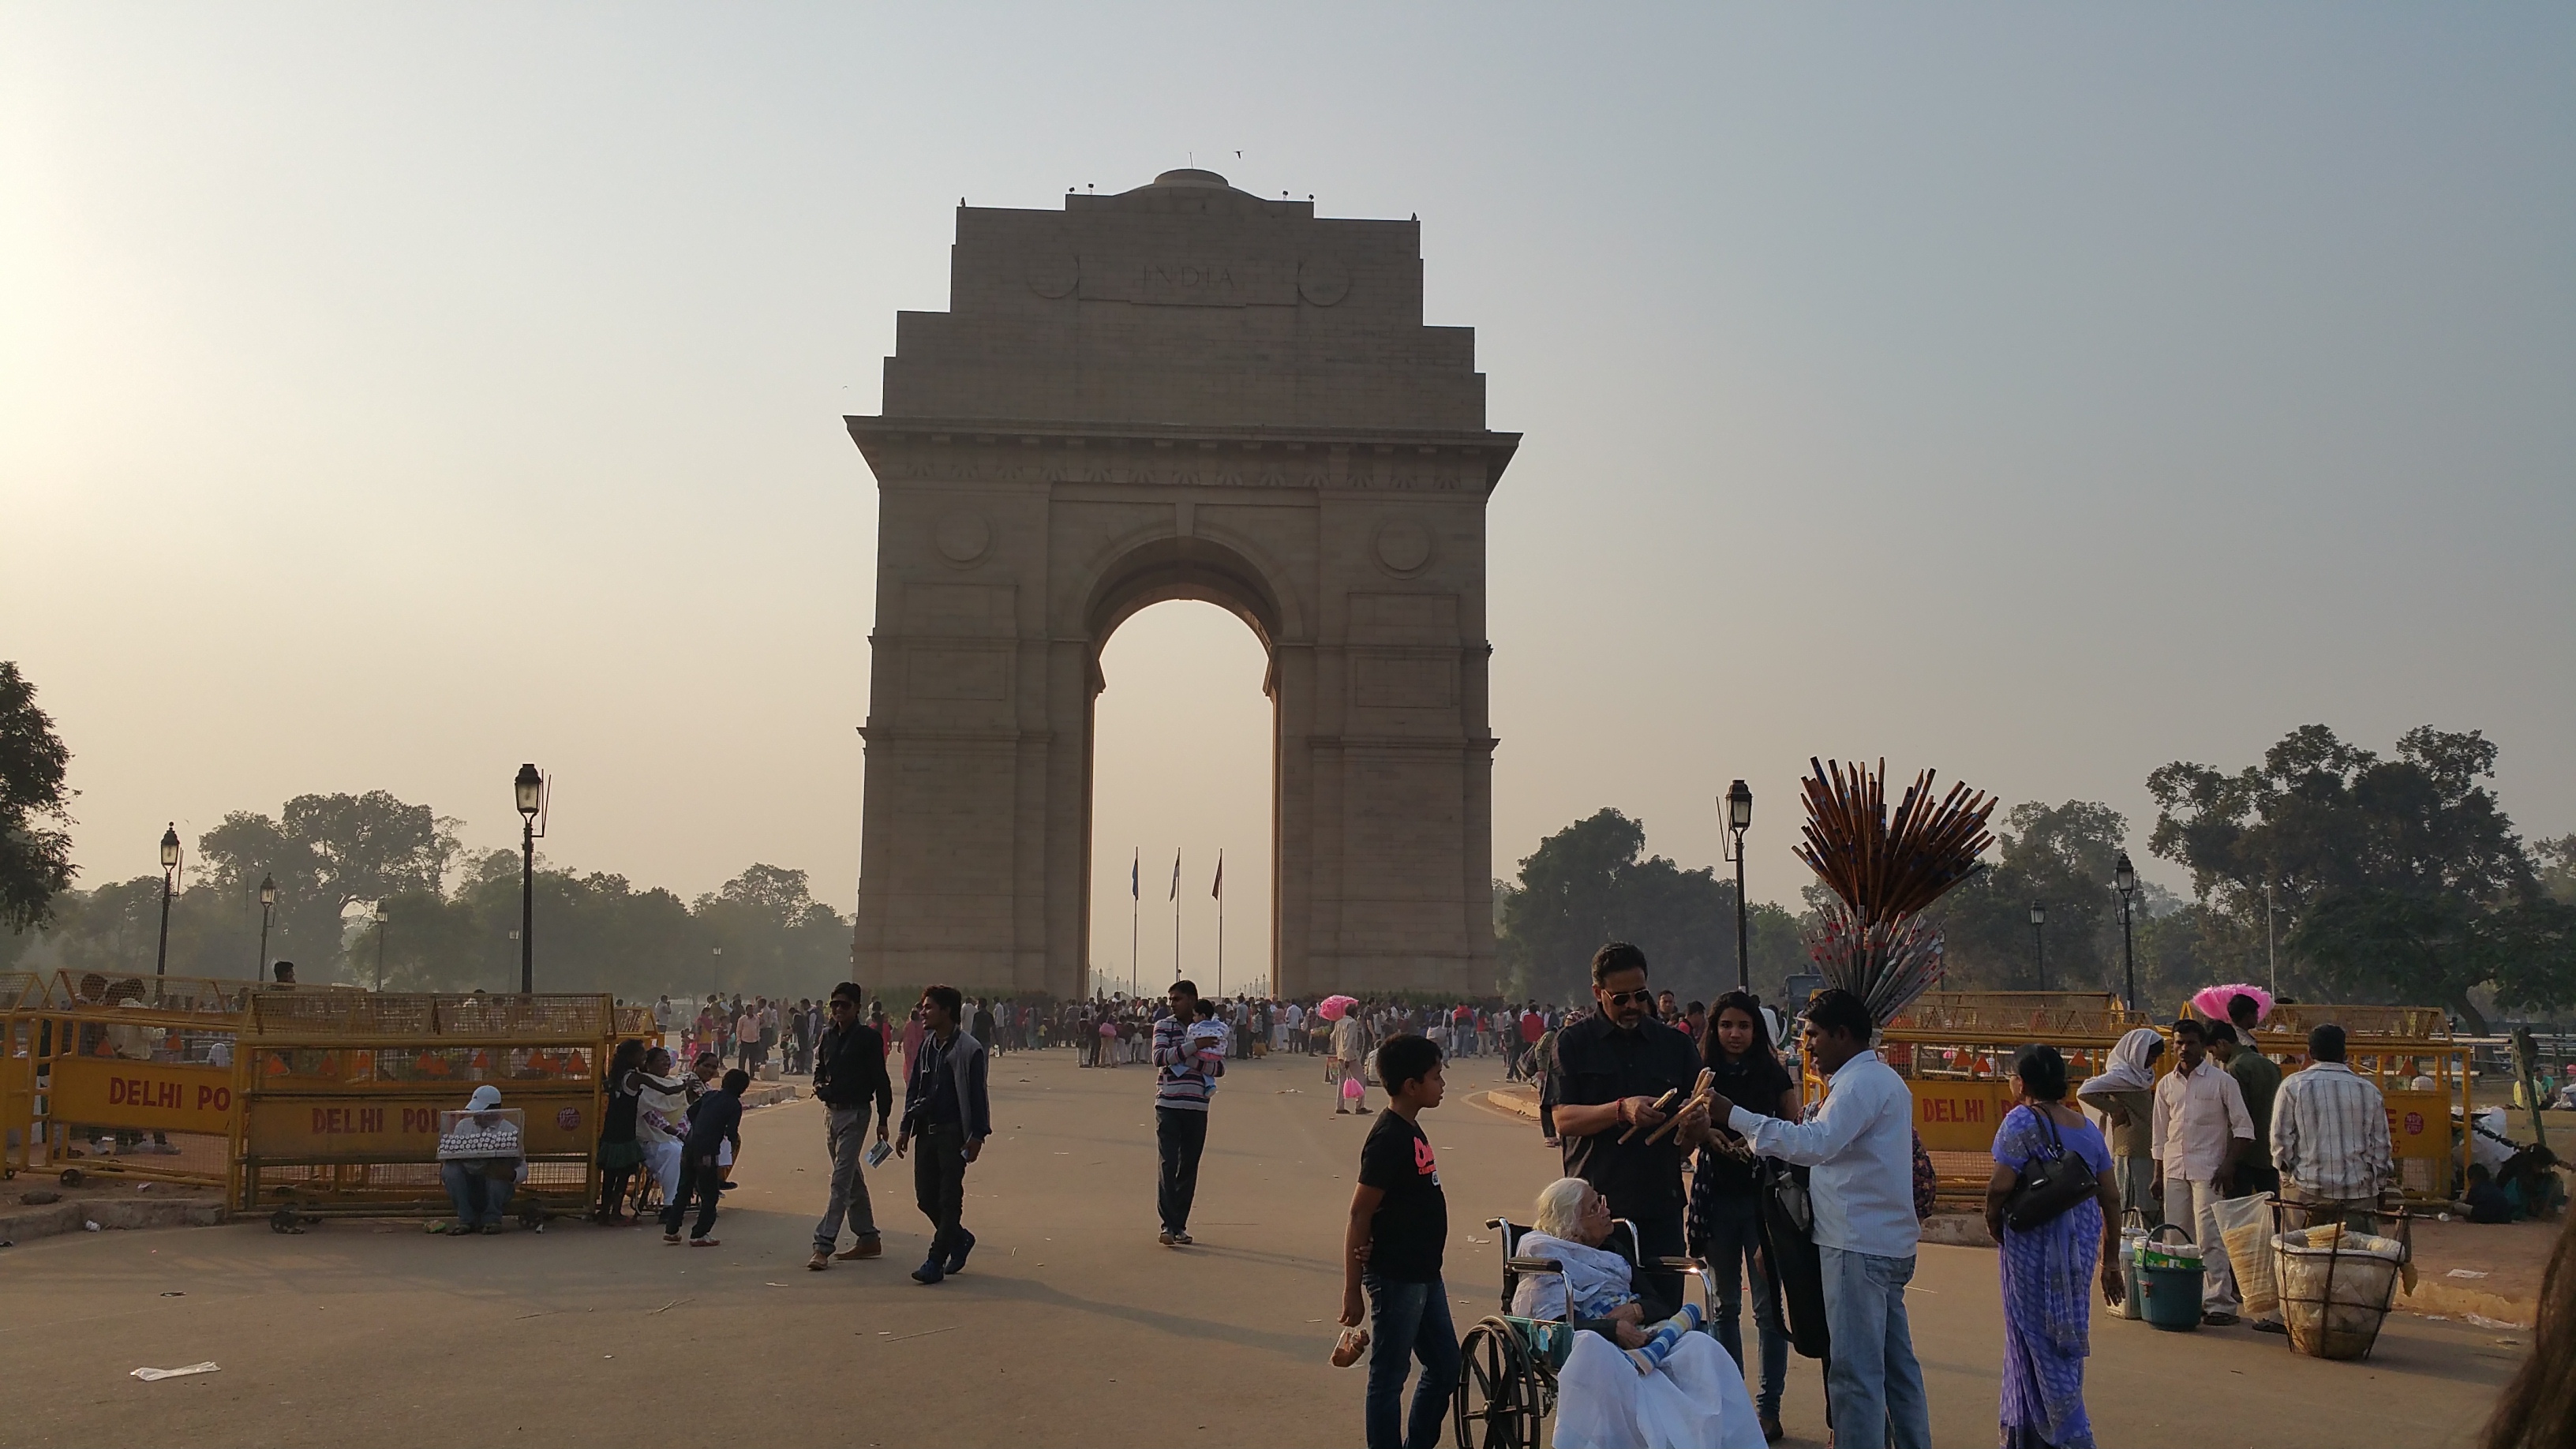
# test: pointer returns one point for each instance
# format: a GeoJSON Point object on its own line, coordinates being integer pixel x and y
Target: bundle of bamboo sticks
{"type": "Point", "coordinates": [1886, 872]}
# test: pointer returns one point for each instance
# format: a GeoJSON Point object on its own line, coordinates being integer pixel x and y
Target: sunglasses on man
{"type": "Point", "coordinates": [1618, 999]}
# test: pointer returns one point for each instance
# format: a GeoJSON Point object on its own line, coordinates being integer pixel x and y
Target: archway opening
{"type": "Point", "coordinates": [1182, 761]}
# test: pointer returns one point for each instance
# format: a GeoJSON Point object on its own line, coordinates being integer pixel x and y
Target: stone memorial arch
{"type": "Point", "coordinates": [1179, 392]}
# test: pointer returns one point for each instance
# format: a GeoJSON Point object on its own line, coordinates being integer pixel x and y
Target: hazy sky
{"type": "Point", "coordinates": [2041, 394]}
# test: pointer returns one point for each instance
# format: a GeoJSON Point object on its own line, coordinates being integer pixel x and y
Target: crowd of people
{"type": "Point", "coordinates": [1681, 1133]}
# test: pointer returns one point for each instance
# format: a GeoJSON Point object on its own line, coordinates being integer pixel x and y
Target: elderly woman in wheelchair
{"type": "Point", "coordinates": [1621, 1380]}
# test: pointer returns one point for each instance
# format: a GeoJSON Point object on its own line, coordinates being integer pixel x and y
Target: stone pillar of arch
{"type": "Point", "coordinates": [1179, 392]}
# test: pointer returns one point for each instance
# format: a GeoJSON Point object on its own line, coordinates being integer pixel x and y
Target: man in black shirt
{"type": "Point", "coordinates": [944, 1105]}
{"type": "Point", "coordinates": [1610, 1070]}
{"type": "Point", "coordinates": [1399, 1225]}
{"type": "Point", "coordinates": [849, 1076]}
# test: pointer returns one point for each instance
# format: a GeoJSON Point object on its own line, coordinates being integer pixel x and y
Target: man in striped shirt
{"type": "Point", "coordinates": [1184, 1077]}
{"type": "Point", "coordinates": [2330, 1136]}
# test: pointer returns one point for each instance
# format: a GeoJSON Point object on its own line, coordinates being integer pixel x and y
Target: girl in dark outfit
{"type": "Point", "coordinates": [1724, 1220]}
{"type": "Point", "coordinates": [619, 1152]}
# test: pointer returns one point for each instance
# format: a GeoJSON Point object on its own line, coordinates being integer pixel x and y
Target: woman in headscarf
{"type": "Point", "coordinates": [1724, 1223]}
{"type": "Point", "coordinates": [1627, 1383]}
{"type": "Point", "coordinates": [2049, 1268]}
{"type": "Point", "coordinates": [2125, 1095]}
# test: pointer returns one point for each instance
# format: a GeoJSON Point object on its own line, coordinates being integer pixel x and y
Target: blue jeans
{"type": "Point", "coordinates": [1732, 1235]}
{"type": "Point", "coordinates": [479, 1200]}
{"type": "Point", "coordinates": [1873, 1386]}
{"type": "Point", "coordinates": [1409, 1321]}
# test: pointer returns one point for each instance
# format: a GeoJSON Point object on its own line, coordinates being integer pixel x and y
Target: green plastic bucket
{"type": "Point", "coordinates": [2169, 1298]}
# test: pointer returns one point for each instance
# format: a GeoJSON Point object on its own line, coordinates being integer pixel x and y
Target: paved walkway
{"type": "Point", "coordinates": [1071, 1327]}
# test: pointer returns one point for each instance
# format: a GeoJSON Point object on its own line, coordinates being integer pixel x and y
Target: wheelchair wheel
{"type": "Point", "coordinates": [1498, 1390]}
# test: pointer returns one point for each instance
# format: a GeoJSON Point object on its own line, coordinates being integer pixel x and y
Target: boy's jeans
{"type": "Point", "coordinates": [1409, 1321]}
{"type": "Point", "coordinates": [1873, 1384]}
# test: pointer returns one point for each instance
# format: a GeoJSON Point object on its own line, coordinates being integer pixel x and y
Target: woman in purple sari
{"type": "Point", "coordinates": [2049, 1269]}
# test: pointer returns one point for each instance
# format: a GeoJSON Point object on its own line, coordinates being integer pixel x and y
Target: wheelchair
{"type": "Point", "coordinates": [1508, 1363]}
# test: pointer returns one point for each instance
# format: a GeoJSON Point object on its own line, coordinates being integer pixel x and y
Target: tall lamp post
{"type": "Point", "coordinates": [2124, 879]}
{"type": "Point", "coordinates": [267, 903]}
{"type": "Point", "coordinates": [1739, 818]}
{"type": "Point", "coordinates": [169, 870]}
{"type": "Point", "coordinates": [2039, 941]}
{"type": "Point", "coordinates": [530, 787]}
{"type": "Point", "coordinates": [381, 917]}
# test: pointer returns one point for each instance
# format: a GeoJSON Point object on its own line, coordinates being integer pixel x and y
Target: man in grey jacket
{"type": "Point", "coordinates": [945, 1106]}
{"type": "Point", "coordinates": [849, 1076]}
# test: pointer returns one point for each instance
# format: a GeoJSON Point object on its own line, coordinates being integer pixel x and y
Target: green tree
{"type": "Point", "coordinates": [2396, 879]}
{"type": "Point", "coordinates": [328, 853]}
{"type": "Point", "coordinates": [1593, 882]}
{"type": "Point", "coordinates": [35, 815]}
{"type": "Point", "coordinates": [2062, 857]}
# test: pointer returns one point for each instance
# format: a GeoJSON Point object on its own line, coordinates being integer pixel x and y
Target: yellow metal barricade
{"type": "Point", "coordinates": [22, 998]}
{"type": "Point", "coordinates": [127, 1076]}
{"type": "Point", "coordinates": [342, 1096]}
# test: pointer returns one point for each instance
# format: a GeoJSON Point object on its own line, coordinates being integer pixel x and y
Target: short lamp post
{"type": "Point", "coordinates": [530, 789]}
{"type": "Point", "coordinates": [169, 875]}
{"type": "Point", "coordinates": [1739, 818]}
{"type": "Point", "coordinates": [267, 904]}
{"type": "Point", "coordinates": [2124, 879]}
{"type": "Point", "coordinates": [382, 917]}
{"type": "Point", "coordinates": [2039, 940]}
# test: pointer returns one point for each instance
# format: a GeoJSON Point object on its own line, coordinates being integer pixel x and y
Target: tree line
{"type": "Point", "coordinates": [2368, 879]}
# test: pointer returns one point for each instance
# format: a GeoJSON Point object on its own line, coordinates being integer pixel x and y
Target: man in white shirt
{"type": "Point", "coordinates": [1860, 1143]}
{"type": "Point", "coordinates": [2201, 1130]}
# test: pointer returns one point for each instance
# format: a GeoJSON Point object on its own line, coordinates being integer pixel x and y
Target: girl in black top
{"type": "Point", "coordinates": [1724, 1222]}
{"type": "Point", "coordinates": [619, 1152]}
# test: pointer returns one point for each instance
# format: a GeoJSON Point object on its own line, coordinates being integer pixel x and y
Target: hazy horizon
{"type": "Point", "coordinates": [390, 397]}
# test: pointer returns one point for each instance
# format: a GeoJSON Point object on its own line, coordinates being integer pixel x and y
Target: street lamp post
{"type": "Point", "coordinates": [1739, 818]}
{"type": "Point", "coordinates": [169, 870]}
{"type": "Point", "coordinates": [530, 788]}
{"type": "Point", "coordinates": [267, 903]}
{"type": "Point", "coordinates": [2124, 879]}
{"type": "Point", "coordinates": [381, 918]}
{"type": "Point", "coordinates": [2039, 941]}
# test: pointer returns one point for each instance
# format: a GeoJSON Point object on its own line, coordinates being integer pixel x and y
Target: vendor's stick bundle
{"type": "Point", "coordinates": [1886, 872]}
{"type": "Point", "coordinates": [1699, 1097]}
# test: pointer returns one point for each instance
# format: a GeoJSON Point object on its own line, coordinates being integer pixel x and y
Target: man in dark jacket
{"type": "Point", "coordinates": [849, 1077]}
{"type": "Point", "coordinates": [714, 1120]}
{"type": "Point", "coordinates": [1612, 1070]}
{"type": "Point", "coordinates": [944, 1105]}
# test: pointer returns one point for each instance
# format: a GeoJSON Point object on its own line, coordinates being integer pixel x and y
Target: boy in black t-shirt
{"type": "Point", "coordinates": [1399, 1224]}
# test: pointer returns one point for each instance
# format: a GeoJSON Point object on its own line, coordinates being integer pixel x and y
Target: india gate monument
{"type": "Point", "coordinates": [1179, 392]}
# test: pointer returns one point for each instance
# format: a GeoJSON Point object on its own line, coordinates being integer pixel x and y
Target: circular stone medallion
{"type": "Point", "coordinates": [1323, 281]}
{"type": "Point", "coordinates": [1053, 274]}
{"type": "Point", "coordinates": [1403, 546]}
{"type": "Point", "coordinates": [962, 537]}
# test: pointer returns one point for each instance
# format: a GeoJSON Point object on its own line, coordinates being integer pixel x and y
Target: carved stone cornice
{"type": "Point", "coordinates": [994, 451]}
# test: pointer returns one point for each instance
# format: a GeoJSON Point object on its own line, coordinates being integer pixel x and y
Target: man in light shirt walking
{"type": "Point", "coordinates": [2330, 1137]}
{"type": "Point", "coordinates": [1860, 1143]}
{"type": "Point", "coordinates": [2201, 1132]}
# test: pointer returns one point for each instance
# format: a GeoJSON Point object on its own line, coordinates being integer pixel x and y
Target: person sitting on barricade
{"type": "Point", "coordinates": [1625, 1381]}
{"type": "Point", "coordinates": [482, 1159]}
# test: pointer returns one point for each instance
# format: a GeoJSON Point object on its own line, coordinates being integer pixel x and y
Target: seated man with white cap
{"type": "Point", "coordinates": [481, 1160]}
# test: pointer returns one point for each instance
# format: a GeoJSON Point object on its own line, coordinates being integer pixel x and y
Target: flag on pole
{"type": "Point", "coordinates": [1217, 888]}
{"type": "Point", "coordinates": [1176, 875]}
{"type": "Point", "coordinates": [1135, 881]}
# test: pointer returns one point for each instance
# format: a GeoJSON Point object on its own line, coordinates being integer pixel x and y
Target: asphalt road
{"type": "Point", "coordinates": [1070, 1327]}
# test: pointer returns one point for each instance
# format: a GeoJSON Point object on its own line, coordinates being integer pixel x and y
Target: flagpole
{"type": "Point", "coordinates": [1135, 916]}
{"type": "Point", "coordinates": [1176, 915]}
{"type": "Point", "coordinates": [1219, 892]}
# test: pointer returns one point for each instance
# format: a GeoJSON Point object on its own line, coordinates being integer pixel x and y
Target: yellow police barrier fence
{"type": "Point", "coordinates": [1956, 1050]}
{"type": "Point", "coordinates": [124, 1075]}
{"type": "Point", "coordinates": [341, 1098]}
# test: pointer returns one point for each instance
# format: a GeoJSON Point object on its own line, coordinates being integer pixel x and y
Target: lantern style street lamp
{"type": "Point", "coordinates": [1739, 818]}
{"type": "Point", "coordinates": [2038, 941]}
{"type": "Point", "coordinates": [381, 917]}
{"type": "Point", "coordinates": [2124, 879]}
{"type": "Point", "coordinates": [169, 874]}
{"type": "Point", "coordinates": [267, 903]}
{"type": "Point", "coordinates": [530, 788]}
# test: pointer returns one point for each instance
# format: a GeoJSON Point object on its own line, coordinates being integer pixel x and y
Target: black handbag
{"type": "Point", "coordinates": [1788, 1224]}
{"type": "Point", "coordinates": [2050, 1183]}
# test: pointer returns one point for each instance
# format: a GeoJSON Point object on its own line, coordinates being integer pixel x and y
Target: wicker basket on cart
{"type": "Point", "coordinates": [2336, 1286]}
